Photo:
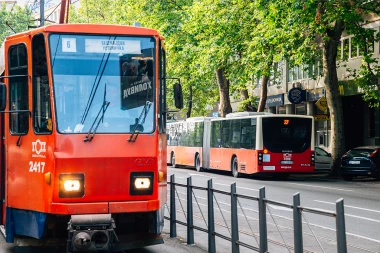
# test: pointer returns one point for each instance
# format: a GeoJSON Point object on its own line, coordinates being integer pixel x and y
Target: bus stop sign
{"type": "Point", "coordinates": [322, 104]}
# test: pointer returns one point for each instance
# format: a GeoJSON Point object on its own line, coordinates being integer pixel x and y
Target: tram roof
{"type": "Point", "coordinates": [95, 29]}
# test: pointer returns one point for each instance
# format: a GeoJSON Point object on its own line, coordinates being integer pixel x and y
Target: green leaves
{"type": "Point", "coordinates": [18, 18]}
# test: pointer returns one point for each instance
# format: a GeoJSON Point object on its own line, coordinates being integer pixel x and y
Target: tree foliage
{"type": "Point", "coordinates": [318, 26]}
{"type": "Point", "coordinates": [234, 42]}
{"type": "Point", "coordinates": [18, 19]}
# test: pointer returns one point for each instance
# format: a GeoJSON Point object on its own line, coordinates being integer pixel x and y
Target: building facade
{"type": "Point", "coordinates": [362, 123]}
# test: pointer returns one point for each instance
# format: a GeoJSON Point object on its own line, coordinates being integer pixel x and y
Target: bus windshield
{"type": "Point", "coordinates": [282, 134]}
{"type": "Point", "coordinates": [89, 71]}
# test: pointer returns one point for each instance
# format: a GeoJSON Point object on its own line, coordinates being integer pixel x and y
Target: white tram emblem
{"type": "Point", "coordinates": [38, 147]}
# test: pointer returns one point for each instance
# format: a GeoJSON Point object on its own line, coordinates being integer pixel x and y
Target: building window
{"type": "Point", "coordinates": [281, 110]}
{"type": "Point", "coordinates": [369, 47]}
{"type": "Point", "coordinates": [353, 48]}
{"type": "Point", "coordinates": [346, 49]}
{"type": "Point", "coordinates": [300, 109]}
{"type": "Point", "coordinates": [276, 74]}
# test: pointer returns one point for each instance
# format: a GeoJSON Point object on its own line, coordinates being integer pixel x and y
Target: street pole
{"type": "Point", "coordinates": [42, 13]}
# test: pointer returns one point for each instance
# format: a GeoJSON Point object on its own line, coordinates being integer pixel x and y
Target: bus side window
{"type": "Point", "coordinates": [235, 133]}
{"type": "Point", "coordinates": [215, 134]}
{"type": "Point", "coordinates": [226, 129]}
{"type": "Point", "coordinates": [42, 121]}
{"type": "Point", "coordinates": [248, 134]}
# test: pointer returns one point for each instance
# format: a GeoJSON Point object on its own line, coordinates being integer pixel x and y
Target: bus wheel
{"type": "Point", "coordinates": [235, 167]}
{"type": "Point", "coordinates": [174, 165]}
{"type": "Point", "coordinates": [197, 163]}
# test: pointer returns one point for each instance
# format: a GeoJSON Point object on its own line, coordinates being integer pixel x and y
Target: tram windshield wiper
{"type": "Point", "coordinates": [91, 133]}
{"type": "Point", "coordinates": [97, 80]}
{"type": "Point", "coordinates": [137, 127]}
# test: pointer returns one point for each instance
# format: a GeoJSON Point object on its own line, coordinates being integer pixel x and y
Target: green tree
{"type": "Point", "coordinates": [13, 21]}
{"type": "Point", "coordinates": [318, 27]}
{"type": "Point", "coordinates": [169, 18]}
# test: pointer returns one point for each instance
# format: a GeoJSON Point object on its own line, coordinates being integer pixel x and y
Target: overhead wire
{"type": "Point", "coordinates": [53, 11]}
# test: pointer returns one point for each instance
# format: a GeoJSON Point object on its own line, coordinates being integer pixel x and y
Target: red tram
{"type": "Point", "coordinates": [83, 118]}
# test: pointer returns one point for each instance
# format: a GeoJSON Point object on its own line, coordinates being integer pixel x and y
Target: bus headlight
{"type": "Point", "coordinates": [71, 185]}
{"type": "Point", "coordinates": [141, 183]}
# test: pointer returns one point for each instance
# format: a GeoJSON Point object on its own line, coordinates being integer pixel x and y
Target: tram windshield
{"type": "Point", "coordinates": [103, 79]}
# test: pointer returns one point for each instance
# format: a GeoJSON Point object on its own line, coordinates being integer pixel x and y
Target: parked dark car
{"type": "Point", "coordinates": [323, 160]}
{"type": "Point", "coordinates": [361, 161]}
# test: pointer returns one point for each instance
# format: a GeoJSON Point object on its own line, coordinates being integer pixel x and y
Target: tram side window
{"type": "Point", "coordinates": [226, 129]}
{"type": "Point", "coordinates": [235, 133]}
{"type": "Point", "coordinates": [18, 90]}
{"type": "Point", "coordinates": [215, 134]}
{"type": "Point", "coordinates": [248, 134]}
{"type": "Point", "coordinates": [41, 94]}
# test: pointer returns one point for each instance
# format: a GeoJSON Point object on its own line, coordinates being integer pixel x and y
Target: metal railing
{"type": "Point", "coordinates": [262, 238]}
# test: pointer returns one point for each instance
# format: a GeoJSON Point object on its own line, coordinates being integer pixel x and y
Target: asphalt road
{"type": "Point", "coordinates": [362, 214]}
{"type": "Point", "coordinates": [361, 203]}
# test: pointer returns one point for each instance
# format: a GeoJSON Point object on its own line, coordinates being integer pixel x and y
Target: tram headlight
{"type": "Point", "coordinates": [141, 183]}
{"type": "Point", "coordinates": [71, 185]}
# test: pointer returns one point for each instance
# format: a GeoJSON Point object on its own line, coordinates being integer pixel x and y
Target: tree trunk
{"type": "Point", "coordinates": [190, 106]}
{"type": "Point", "coordinates": [263, 93]}
{"type": "Point", "coordinates": [224, 92]}
{"type": "Point", "coordinates": [264, 86]}
{"type": "Point", "coordinates": [333, 96]}
{"type": "Point", "coordinates": [244, 96]}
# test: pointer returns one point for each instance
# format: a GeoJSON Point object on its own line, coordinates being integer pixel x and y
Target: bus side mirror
{"type": "Point", "coordinates": [178, 97]}
{"type": "Point", "coordinates": [3, 97]}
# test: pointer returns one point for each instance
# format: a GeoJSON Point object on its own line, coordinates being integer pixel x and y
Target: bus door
{"type": "Point", "coordinates": [216, 145]}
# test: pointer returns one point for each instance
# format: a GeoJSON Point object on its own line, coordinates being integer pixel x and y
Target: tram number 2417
{"type": "Point", "coordinates": [36, 166]}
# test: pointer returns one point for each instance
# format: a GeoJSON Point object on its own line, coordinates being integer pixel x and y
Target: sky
{"type": "Point", "coordinates": [23, 2]}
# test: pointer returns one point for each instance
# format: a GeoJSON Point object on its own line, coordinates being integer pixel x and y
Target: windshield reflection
{"type": "Point", "coordinates": [88, 70]}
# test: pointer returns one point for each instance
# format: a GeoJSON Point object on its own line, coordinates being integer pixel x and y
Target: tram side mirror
{"type": "Point", "coordinates": [178, 97]}
{"type": "Point", "coordinates": [3, 97]}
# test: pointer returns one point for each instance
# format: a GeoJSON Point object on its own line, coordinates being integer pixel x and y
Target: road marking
{"type": "Point", "coordinates": [330, 188]}
{"type": "Point", "coordinates": [362, 218]}
{"type": "Point", "coordinates": [199, 175]}
{"type": "Point", "coordinates": [364, 209]}
{"type": "Point", "coordinates": [237, 187]}
{"type": "Point", "coordinates": [282, 208]}
{"type": "Point", "coordinates": [290, 219]}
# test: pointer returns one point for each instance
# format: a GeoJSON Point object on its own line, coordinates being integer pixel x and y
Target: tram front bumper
{"type": "Point", "coordinates": [105, 207]}
{"type": "Point", "coordinates": [91, 232]}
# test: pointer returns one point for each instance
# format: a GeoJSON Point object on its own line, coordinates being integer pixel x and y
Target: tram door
{"type": "Point", "coordinates": [27, 126]}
